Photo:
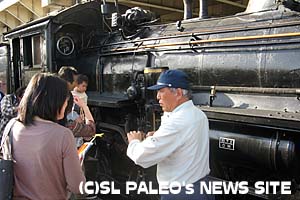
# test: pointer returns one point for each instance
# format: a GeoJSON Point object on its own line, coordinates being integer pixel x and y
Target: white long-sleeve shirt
{"type": "Point", "coordinates": [180, 147]}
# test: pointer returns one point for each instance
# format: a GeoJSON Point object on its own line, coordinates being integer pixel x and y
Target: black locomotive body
{"type": "Point", "coordinates": [244, 71]}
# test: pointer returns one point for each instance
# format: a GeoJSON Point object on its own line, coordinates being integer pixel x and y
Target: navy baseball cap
{"type": "Point", "coordinates": [171, 79]}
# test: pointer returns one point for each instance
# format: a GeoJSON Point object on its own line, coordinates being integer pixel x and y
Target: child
{"type": "Point", "coordinates": [79, 90]}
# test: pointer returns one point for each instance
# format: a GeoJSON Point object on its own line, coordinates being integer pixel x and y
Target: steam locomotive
{"type": "Point", "coordinates": [244, 71]}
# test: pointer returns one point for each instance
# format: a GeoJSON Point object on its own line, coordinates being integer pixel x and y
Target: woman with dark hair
{"type": "Point", "coordinates": [47, 164]}
{"type": "Point", "coordinates": [69, 74]}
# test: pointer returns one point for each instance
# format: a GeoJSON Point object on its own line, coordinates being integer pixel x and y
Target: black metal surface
{"type": "Point", "coordinates": [107, 100]}
{"type": "Point", "coordinates": [253, 151]}
{"type": "Point", "coordinates": [280, 120]}
{"type": "Point", "coordinates": [5, 72]}
{"type": "Point", "coordinates": [245, 75]}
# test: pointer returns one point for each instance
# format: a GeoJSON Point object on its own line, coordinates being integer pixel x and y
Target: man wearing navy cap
{"type": "Point", "coordinates": [180, 147]}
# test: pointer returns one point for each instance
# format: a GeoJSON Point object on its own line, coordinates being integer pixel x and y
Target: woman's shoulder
{"type": "Point", "coordinates": [62, 129]}
{"type": "Point", "coordinates": [53, 127]}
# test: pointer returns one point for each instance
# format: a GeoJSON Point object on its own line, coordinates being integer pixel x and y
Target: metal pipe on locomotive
{"type": "Point", "coordinates": [244, 70]}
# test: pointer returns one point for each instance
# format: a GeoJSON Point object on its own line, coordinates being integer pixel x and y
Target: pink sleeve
{"type": "Point", "coordinates": [72, 169]}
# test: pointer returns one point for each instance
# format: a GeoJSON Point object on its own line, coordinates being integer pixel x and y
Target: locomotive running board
{"type": "Point", "coordinates": [282, 120]}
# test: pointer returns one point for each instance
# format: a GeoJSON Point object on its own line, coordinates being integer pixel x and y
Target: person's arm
{"type": "Point", "coordinates": [154, 148]}
{"type": "Point", "coordinates": [80, 129]}
{"type": "Point", "coordinates": [86, 110]}
{"type": "Point", "coordinates": [7, 107]}
{"type": "Point", "coordinates": [87, 129]}
{"type": "Point", "coordinates": [72, 169]}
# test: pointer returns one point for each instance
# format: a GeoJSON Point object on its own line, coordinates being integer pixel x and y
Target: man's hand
{"type": "Point", "coordinates": [78, 101]}
{"type": "Point", "coordinates": [132, 135]}
{"type": "Point", "coordinates": [150, 133]}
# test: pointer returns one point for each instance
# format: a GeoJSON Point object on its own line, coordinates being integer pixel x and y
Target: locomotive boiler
{"type": "Point", "coordinates": [244, 70]}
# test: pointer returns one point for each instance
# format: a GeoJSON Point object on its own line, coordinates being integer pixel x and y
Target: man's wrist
{"type": "Point", "coordinates": [133, 140]}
